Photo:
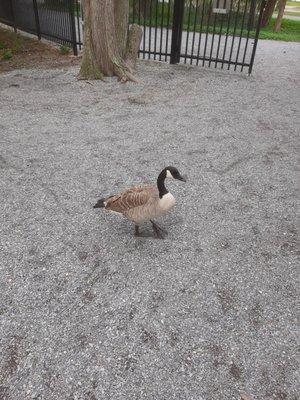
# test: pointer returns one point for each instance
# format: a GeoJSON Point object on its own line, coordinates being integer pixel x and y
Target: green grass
{"type": "Point", "coordinates": [293, 3]}
{"type": "Point", "coordinates": [17, 44]}
{"type": "Point", "coordinates": [7, 51]}
{"type": "Point", "coordinates": [64, 49]}
{"type": "Point", "coordinates": [290, 31]}
{"type": "Point", "coordinates": [296, 11]}
{"type": "Point", "coordinates": [293, 13]}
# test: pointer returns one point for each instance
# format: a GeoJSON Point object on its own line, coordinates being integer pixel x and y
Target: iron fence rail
{"type": "Point", "coordinates": [55, 20]}
{"type": "Point", "coordinates": [213, 33]}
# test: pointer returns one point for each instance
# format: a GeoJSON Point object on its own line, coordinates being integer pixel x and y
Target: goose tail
{"type": "Point", "coordinates": [100, 204]}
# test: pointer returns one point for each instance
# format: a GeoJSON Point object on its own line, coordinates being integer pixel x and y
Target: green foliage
{"type": "Point", "coordinates": [7, 51]}
{"type": "Point", "coordinates": [7, 55]}
{"type": "Point", "coordinates": [64, 49]}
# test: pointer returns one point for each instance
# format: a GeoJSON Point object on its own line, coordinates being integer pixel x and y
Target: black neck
{"type": "Point", "coordinates": [161, 184]}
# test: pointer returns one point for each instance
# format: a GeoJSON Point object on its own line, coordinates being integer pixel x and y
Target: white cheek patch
{"type": "Point", "coordinates": [169, 175]}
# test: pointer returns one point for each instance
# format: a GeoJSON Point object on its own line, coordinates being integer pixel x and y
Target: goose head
{"type": "Point", "coordinates": [173, 173]}
{"type": "Point", "coordinates": [167, 173]}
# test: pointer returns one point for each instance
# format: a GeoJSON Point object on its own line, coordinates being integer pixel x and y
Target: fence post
{"type": "Point", "coordinates": [72, 25]}
{"type": "Point", "coordinates": [177, 31]}
{"type": "Point", "coordinates": [263, 3]}
{"type": "Point", "coordinates": [13, 16]}
{"type": "Point", "coordinates": [37, 21]}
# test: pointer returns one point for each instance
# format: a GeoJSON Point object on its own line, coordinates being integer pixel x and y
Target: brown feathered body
{"type": "Point", "coordinates": [140, 203]}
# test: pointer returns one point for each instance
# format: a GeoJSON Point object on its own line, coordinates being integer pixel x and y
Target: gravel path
{"type": "Point", "coordinates": [90, 312]}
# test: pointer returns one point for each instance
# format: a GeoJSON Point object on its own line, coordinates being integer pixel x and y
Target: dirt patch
{"type": "Point", "coordinates": [18, 51]}
{"type": "Point", "coordinates": [12, 358]}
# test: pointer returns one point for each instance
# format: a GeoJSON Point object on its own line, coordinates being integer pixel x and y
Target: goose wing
{"type": "Point", "coordinates": [131, 198]}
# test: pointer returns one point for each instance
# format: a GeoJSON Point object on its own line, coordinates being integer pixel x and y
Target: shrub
{"type": "Point", "coordinates": [7, 55]}
{"type": "Point", "coordinates": [64, 49]}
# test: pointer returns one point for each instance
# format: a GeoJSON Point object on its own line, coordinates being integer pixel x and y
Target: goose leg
{"type": "Point", "coordinates": [136, 230]}
{"type": "Point", "coordinates": [160, 232]}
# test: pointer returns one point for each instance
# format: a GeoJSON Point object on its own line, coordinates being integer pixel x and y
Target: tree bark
{"type": "Point", "coordinates": [281, 7]}
{"type": "Point", "coordinates": [121, 14]}
{"type": "Point", "coordinates": [268, 12]}
{"type": "Point", "coordinates": [105, 40]}
{"type": "Point", "coordinates": [133, 43]}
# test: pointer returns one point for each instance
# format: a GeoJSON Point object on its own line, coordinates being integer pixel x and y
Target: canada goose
{"type": "Point", "coordinates": [144, 203]}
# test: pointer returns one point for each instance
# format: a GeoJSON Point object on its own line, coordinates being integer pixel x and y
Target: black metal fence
{"type": "Point", "coordinates": [214, 33]}
{"type": "Point", "coordinates": [56, 20]}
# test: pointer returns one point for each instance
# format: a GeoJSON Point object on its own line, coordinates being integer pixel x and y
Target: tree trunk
{"type": "Point", "coordinates": [133, 43]}
{"type": "Point", "coordinates": [268, 12]}
{"type": "Point", "coordinates": [105, 40]}
{"type": "Point", "coordinates": [121, 14]}
{"type": "Point", "coordinates": [281, 7]}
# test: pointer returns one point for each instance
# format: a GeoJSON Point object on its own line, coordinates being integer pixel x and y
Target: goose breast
{"type": "Point", "coordinates": [153, 208]}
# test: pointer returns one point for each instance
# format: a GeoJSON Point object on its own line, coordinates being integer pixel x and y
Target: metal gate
{"type": "Point", "coordinates": [214, 33]}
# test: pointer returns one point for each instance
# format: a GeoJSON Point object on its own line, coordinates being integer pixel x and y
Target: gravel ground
{"type": "Point", "coordinates": [90, 312]}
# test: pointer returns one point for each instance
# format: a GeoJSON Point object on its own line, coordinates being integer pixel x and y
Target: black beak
{"type": "Point", "coordinates": [182, 178]}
